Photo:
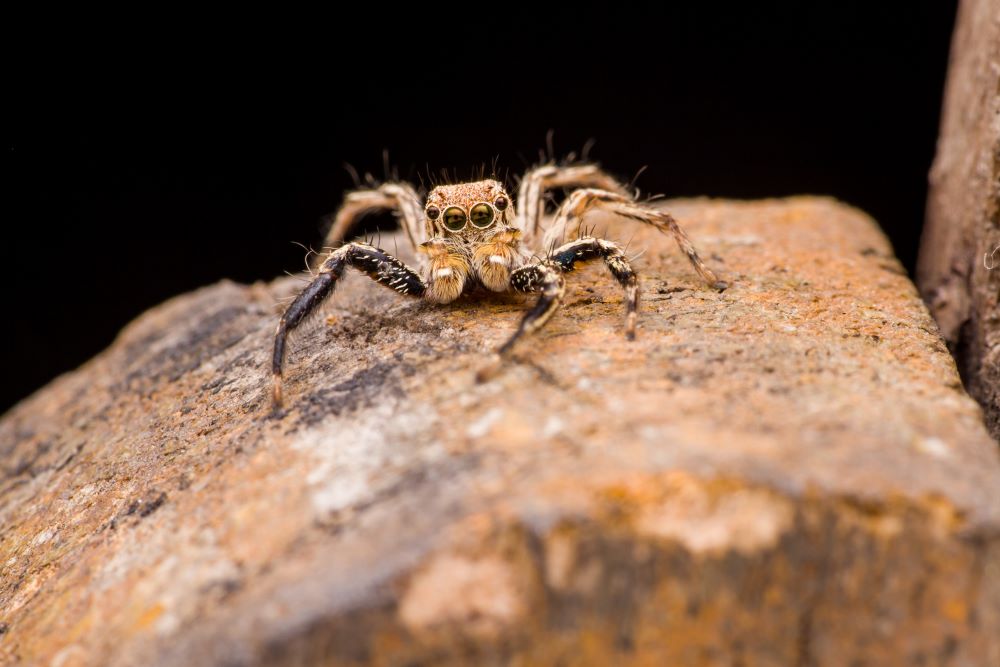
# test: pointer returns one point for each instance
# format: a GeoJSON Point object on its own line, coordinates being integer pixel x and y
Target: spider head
{"type": "Point", "coordinates": [468, 209]}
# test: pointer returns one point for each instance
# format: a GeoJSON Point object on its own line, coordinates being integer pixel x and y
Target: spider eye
{"type": "Point", "coordinates": [482, 215]}
{"type": "Point", "coordinates": [501, 203]}
{"type": "Point", "coordinates": [454, 218]}
{"type": "Point", "coordinates": [433, 212]}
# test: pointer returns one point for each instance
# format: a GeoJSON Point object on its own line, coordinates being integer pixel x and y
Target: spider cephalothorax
{"type": "Point", "coordinates": [472, 238]}
{"type": "Point", "coordinates": [469, 235]}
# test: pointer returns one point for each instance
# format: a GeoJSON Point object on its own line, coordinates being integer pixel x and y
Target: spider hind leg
{"type": "Point", "coordinates": [569, 217]}
{"type": "Point", "coordinates": [398, 197]}
{"type": "Point", "coordinates": [544, 178]}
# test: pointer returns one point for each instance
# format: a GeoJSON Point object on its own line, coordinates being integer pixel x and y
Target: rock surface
{"type": "Point", "coordinates": [786, 473]}
{"type": "Point", "coordinates": [959, 267]}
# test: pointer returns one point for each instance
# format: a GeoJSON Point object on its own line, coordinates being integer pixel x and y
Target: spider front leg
{"type": "Point", "coordinates": [374, 262]}
{"type": "Point", "coordinates": [588, 248]}
{"type": "Point", "coordinates": [547, 277]}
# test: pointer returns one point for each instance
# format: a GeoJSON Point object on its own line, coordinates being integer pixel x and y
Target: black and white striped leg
{"type": "Point", "coordinates": [588, 248]}
{"type": "Point", "coordinates": [545, 277]}
{"type": "Point", "coordinates": [374, 262]}
{"type": "Point", "coordinates": [569, 217]}
{"type": "Point", "coordinates": [400, 198]}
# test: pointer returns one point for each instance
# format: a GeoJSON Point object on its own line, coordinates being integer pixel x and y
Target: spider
{"type": "Point", "coordinates": [468, 235]}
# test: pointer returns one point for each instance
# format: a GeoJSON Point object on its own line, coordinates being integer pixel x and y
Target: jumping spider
{"type": "Point", "coordinates": [468, 234]}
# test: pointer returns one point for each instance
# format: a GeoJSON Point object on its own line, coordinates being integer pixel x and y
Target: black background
{"type": "Point", "coordinates": [152, 155]}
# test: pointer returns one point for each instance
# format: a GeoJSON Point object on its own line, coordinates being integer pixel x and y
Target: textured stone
{"type": "Point", "coordinates": [959, 267]}
{"type": "Point", "coordinates": [788, 472]}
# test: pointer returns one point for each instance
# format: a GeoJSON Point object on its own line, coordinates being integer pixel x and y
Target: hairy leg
{"type": "Point", "coordinates": [374, 262]}
{"type": "Point", "coordinates": [545, 277]}
{"type": "Point", "coordinates": [537, 180]}
{"type": "Point", "coordinates": [399, 198]}
{"type": "Point", "coordinates": [567, 221]}
{"type": "Point", "coordinates": [589, 248]}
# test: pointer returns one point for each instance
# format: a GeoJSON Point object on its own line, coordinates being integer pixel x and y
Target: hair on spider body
{"type": "Point", "coordinates": [470, 234]}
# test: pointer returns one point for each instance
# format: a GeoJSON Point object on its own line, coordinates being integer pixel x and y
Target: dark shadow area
{"type": "Point", "coordinates": [143, 167]}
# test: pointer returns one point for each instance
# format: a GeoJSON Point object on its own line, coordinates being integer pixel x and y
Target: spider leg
{"type": "Point", "coordinates": [567, 220]}
{"type": "Point", "coordinates": [545, 277]}
{"type": "Point", "coordinates": [537, 180]}
{"type": "Point", "coordinates": [399, 198]}
{"type": "Point", "coordinates": [374, 262]}
{"type": "Point", "coordinates": [588, 248]}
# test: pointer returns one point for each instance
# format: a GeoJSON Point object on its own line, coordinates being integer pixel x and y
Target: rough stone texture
{"type": "Point", "coordinates": [786, 473]}
{"type": "Point", "coordinates": [959, 267]}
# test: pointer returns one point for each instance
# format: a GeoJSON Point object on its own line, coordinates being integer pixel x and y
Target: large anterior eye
{"type": "Point", "coordinates": [454, 218]}
{"type": "Point", "coordinates": [481, 215]}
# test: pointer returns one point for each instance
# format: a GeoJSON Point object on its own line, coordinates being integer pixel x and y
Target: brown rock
{"type": "Point", "coordinates": [959, 267]}
{"type": "Point", "coordinates": [788, 472]}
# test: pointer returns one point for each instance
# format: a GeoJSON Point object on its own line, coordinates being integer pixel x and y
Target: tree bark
{"type": "Point", "coordinates": [959, 267]}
